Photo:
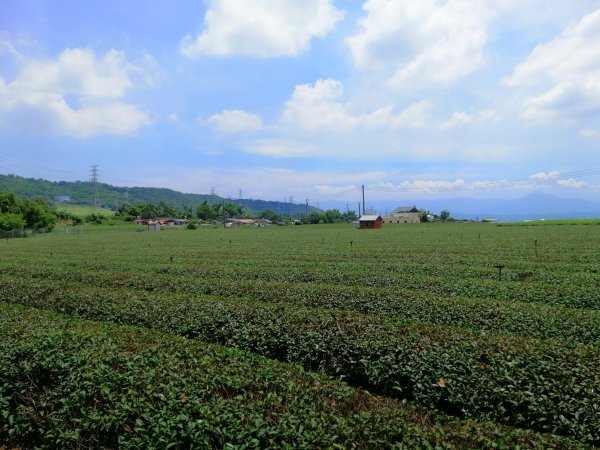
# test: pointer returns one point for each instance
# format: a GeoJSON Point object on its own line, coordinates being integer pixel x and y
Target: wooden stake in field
{"type": "Point", "coordinates": [499, 267]}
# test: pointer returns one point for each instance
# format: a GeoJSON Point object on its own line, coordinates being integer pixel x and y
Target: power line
{"type": "Point", "coordinates": [11, 163]}
{"type": "Point", "coordinates": [344, 191]}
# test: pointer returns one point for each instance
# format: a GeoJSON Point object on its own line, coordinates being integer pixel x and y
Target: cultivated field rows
{"type": "Point", "coordinates": [418, 313]}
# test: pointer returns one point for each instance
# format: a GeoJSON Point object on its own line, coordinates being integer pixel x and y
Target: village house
{"type": "Point", "coordinates": [369, 221]}
{"type": "Point", "coordinates": [233, 222]}
{"type": "Point", "coordinates": [405, 214]}
{"type": "Point", "coordinates": [158, 224]}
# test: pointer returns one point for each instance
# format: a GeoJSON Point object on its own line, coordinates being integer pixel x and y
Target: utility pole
{"type": "Point", "coordinates": [94, 180]}
{"type": "Point", "coordinates": [363, 202]}
{"type": "Point", "coordinates": [306, 208]}
{"type": "Point", "coordinates": [359, 209]}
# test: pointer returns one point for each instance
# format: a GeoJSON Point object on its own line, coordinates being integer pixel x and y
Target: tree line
{"type": "Point", "coordinates": [20, 214]}
{"type": "Point", "coordinates": [208, 212]}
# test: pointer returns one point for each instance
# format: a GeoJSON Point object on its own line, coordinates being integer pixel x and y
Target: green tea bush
{"type": "Point", "coordinates": [545, 385]}
{"type": "Point", "coordinates": [76, 384]}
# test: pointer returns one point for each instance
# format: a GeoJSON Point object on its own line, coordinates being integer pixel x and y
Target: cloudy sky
{"type": "Point", "coordinates": [305, 98]}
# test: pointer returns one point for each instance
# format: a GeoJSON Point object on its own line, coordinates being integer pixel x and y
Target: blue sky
{"type": "Point", "coordinates": [305, 98]}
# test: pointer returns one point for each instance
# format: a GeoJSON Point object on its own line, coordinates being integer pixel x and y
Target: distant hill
{"type": "Point", "coordinates": [82, 193]}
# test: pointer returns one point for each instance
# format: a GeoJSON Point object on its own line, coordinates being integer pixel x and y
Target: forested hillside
{"type": "Point", "coordinates": [82, 193]}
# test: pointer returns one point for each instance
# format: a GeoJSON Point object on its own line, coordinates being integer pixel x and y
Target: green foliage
{"type": "Point", "coordinates": [8, 203]}
{"type": "Point", "coordinates": [229, 209]}
{"type": "Point", "coordinates": [82, 193]}
{"type": "Point", "coordinates": [269, 215]}
{"type": "Point", "coordinates": [522, 380]}
{"type": "Point", "coordinates": [205, 212]}
{"type": "Point", "coordinates": [95, 218]}
{"type": "Point", "coordinates": [331, 216]}
{"type": "Point", "coordinates": [69, 216]}
{"type": "Point", "coordinates": [16, 213]}
{"type": "Point", "coordinates": [152, 211]}
{"type": "Point", "coordinates": [10, 221]}
{"type": "Point", "coordinates": [414, 313]}
{"type": "Point", "coordinates": [75, 384]}
{"type": "Point", "coordinates": [445, 214]}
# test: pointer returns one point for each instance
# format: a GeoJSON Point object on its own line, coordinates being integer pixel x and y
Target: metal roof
{"type": "Point", "coordinates": [368, 218]}
{"type": "Point", "coordinates": [407, 209]}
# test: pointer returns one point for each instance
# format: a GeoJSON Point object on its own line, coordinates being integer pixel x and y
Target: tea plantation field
{"type": "Point", "coordinates": [325, 336]}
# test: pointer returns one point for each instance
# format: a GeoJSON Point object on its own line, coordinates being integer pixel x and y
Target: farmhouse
{"type": "Point", "coordinates": [405, 214]}
{"type": "Point", "coordinates": [262, 223]}
{"type": "Point", "coordinates": [370, 221]}
{"type": "Point", "coordinates": [162, 221]}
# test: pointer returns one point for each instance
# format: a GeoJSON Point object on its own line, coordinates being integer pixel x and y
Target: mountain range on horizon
{"type": "Point", "coordinates": [534, 206]}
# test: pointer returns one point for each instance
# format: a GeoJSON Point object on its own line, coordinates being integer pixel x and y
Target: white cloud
{"type": "Point", "coordinates": [423, 186]}
{"type": "Point", "coordinates": [588, 133]}
{"type": "Point", "coordinates": [78, 95]}
{"type": "Point", "coordinates": [281, 148]}
{"type": "Point", "coordinates": [422, 41]}
{"type": "Point", "coordinates": [7, 45]}
{"type": "Point", "coordinates": [554, 176]}
{"type": "Point", "coordinates": [327, 190]}
{"type": "Point", "coordinates": [261, 28]}
{"type": "Point", "coordinates": [572, 183]}
{"type": "Point", "coordinates": [458, 118]}
{"type": "Point", "coordinates": [317, 106]}
{"type": "Point", "coordinates": [342, 184]}
{"type": "Point", "coordinates": [561, 78]}
{"type": "Point", "coordinates": [78, 71]}
{"type": "Point", "coordinates": [235, 121]}
{"type": "Point", "coordinates": [540, 176]}
{"type": "Point", "coordinates": [264, 182]}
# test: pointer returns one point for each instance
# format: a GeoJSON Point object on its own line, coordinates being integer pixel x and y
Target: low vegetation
{"type": "Point", "coordinates": [418, 314]}
{"type": "Point", "coordinates": [18, 214]}
{"type": "Point", "coordinates": [72, 384]}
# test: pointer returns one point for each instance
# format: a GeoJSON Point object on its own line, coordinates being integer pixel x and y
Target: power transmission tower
{"type": "Point", "coordinates": [94, 180]}
{"type": "Point", "coordinates": [241, 203]}
{"type": "Point", "coordinates": [213, 194]}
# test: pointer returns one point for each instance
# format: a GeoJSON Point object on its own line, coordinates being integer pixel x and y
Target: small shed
{"type": "Point", "coordinates": [153, 225]}
{"type": "Point", "coordinates": [370, 221]}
